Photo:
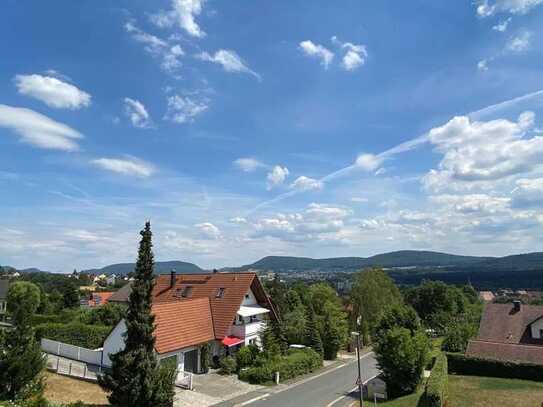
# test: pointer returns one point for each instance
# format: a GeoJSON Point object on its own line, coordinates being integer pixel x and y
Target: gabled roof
{"type": "Point", "coordinates": [182, 323]}
{"type": "Point", "coordinates": [207, 285]}
{"type": "Point", "coordinates": [100, 298]}
{"type": "Point", "coordinates": [4, 286]}
{"type": "Point", "coordinates": [500, 323]}
{"type": "Point", "coordinates": [223, 308]}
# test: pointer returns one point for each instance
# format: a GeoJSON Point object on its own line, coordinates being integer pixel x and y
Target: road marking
{"type": "Point", "coordinates": [252, 400]}
{"type": "Point", "coordinates": [341, 398]}
{"type": "Point", "coordinates": [311, 378]}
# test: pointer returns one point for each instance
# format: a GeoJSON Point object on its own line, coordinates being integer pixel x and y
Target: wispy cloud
{"type": "Point", "coordinates": [52, 91]}
{"type": "Point", "coordinates": [184, 109]}
{"type": "Point", "coordinates": [39, 130]}
{"type": "Point", "coordinates": [183, 13]}
{"type": "Point", "coordinates": [486, 8]}
{"type": "Point", "coordinates": [229, 60]}
{"type": "Point", "coordinates": [126, 166]}
{"type": "Point", "coordinates": [310, 49]}
{"type": "Point", "coordinates": [277, 176]}
{"type": "Point", "coordinates": [519, 43]}
{"type": "Point", "coordinates": [137, 113]}
{"type": "Point", "coordinates": [249, 164]}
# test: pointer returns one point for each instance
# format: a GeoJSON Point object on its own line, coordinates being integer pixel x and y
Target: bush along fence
{"type": "Point", "coordinates": [85, 336]}
{"type": "Point", "coordinates": [436, 386]}
{"type": "Point", "coordinates": [470, 366]}
{"type": "Point", "coordinates": [294, 363]}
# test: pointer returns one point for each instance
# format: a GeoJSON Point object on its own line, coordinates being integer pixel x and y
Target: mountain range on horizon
{"type": "Point", "coordinates": [397, 259]}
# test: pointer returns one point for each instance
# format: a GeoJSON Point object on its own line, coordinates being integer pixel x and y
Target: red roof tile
{"type": "Point", "coordinates": [100, 298]}
{"type": "Point", "coordinates": [182, 323]}
{"type": "Point", "coordinates": [501, 323]}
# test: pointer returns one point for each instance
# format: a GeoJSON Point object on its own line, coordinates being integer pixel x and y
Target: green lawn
{"type": "Point", "coordinates": [474, 391]}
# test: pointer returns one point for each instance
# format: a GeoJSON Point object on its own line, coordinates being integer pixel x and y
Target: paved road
{"type": "Point", "coordinates": [333, 389]}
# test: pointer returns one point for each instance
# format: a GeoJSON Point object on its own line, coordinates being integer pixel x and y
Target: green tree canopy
{"type": "Point", "coordinates": [21, 360]}
{"type": "Point", "coordinates": [373, 292]}
{"type": "Point", "coordinates": [402, 349]}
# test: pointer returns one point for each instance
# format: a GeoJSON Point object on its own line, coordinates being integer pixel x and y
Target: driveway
{"type": "Point", "coordinates": [213, 388]}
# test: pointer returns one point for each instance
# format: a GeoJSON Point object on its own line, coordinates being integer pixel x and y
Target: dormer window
{"type": "Point", "coordinates": [186, 291]}
{"type": "Point", "coordinates": [247, 296]}
{"type": "Point", "coordinates": [220, 293]}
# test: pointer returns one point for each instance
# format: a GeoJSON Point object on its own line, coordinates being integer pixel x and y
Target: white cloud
{"type": "Point", "coordinates": [52, 91]}
{"type": "Point", "coordinates": [369, 162]}
{"type": "Point", "coordinates": [136, 112]}
{"type": "Point", "coordinates": [277, 176]}
{"type": "Point", "coordinates": [39, 130]}
{"type": "Point", "coordinates": [502, 25]}
{"type": "Point", "coordinates": [248, 164]}
{"type": "Point", "coordinates": [355, 57]}
{"type": "Point", "coordinates": [125, 166]}
{"type": "Point", "coordinates": [170, 54]}
{"type": "Point", "coordinates": [482, 152]}
{"type": "Point", "coordinates": [519, 43]}
{"type": "Point", "coordinates": [238, 220]}
{"type": "Point", "coordinates": [208, 230]}
{"type": "Point", "coordinates": [229, 60]}
{"type": "Point", "coordinates": [528, 192]}
{"type": "Point", "coordinates": [317, 51]}
{"type": "Point", "coordinates": [487, 9]}
{"type": "Point", "coordinates": [183, 109]}
{"type": "Point", "coordinates": [306, 184]}
{"type": "Point", "coordinates": [183, 13]}
{"type": "Point", "coordinates": [359, 199]}
{"type": "Point", "coordinates": [482, 65]}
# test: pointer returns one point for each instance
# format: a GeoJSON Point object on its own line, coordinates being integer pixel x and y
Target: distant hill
{"type": "Point", "coordinates": [404, 258]}
{"type": "Point", "coordinates": [160, 268]}
{"type": "Point", "coordinates": [525, 262]}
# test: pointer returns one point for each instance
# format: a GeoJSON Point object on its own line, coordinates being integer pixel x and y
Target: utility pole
{"type": "Point", "coordinates": [358, 346]}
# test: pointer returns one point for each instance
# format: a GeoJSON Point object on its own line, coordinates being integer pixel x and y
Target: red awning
{"type": "Point", "coordinates": [232, 341]}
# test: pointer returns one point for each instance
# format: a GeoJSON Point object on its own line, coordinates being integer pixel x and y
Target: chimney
{"type": "Point", "coordinates": [516, 305]}
{"type": "Point", "coordinates": [172, 278]}
{"type": "Point", "coordinates": [215, 271]}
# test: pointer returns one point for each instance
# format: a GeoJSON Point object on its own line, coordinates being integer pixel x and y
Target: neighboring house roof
{"type": "Point", "coordinates": [100, 298]}
{"type": "Point", "coordinates": [207, 285]}
{"type": "Point", "coordinates": [182, 323]}
{"type": "Point", "coordinates": [4, 286]}
{"type": "Point", "coordinates": [502, 324]}
{"type": "Point", "coordinates": [505, 351]}
{"type": "Point", "coordinates": [122, 294]}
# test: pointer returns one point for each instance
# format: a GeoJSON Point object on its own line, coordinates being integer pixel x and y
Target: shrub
{"type": "Point", "coordinates": [228, 365]}
{"type": "Point", "coordinates": [294, 363]}
{"type": "Point", "coordinates": [85, 336]}
{"type": "Point", "coordinates": [205, 357]}
{"type": "Point", "coordinates": [457, 337]}
{"type": "Point", "coordinates": [465, 365]}
{"type": "Point", "coordinates": [436, 387]}
{"type": "Point", "coordinates": [245, 357]}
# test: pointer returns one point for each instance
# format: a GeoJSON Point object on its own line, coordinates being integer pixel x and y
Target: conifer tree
{"type": "Point", "coordinates": [313, 336]}
{"type": "Point", "coordinates": [136, 380]}
{"type": "Point", "coordinates": [21, 359]}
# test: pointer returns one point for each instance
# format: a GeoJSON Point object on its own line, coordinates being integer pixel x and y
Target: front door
{"type": "Point", "coordinates": [191, 361]}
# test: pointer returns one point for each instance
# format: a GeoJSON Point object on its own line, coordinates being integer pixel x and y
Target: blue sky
{"type": "Point", "coordinates": [244, 129]}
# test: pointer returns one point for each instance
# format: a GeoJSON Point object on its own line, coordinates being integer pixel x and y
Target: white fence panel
{"type": "Point", "coordinates": [72, 352]}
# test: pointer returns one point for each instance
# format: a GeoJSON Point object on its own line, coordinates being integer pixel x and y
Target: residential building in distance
{"type": "Point", "coordinates": [4, 286]}
{"type": "Point", "coordinates": [510, 332]}
{"type": "Point", "coordinates": [487, 296]}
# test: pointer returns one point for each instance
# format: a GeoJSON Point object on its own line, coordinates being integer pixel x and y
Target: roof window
{"type": "Point", "coordinates": [220, 293]}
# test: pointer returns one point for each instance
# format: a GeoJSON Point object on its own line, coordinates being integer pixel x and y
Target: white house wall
{"type": "Point", "coordinates": [537, 326]}
{"type": "Point", "coordinates": [249, 298]}
{"type": "Point", "coordinates": [114, 343]}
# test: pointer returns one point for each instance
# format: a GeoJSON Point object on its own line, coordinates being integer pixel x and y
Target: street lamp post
{"type": "Point", "coordinates": [359, 381]}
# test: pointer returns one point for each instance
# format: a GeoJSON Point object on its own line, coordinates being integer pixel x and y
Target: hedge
{"type": "Point", "coordinates": [85, 336]}
{"type": "Point", "coordinates": [436, 386]}
{"type": "Point", "coordinates": [470, 366]}
{"type": "Point", "coordinates": [294, 363]}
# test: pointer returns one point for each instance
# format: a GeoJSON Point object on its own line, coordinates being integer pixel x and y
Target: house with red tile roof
{"type": "Point", "coordinates": [510, 332]}
{"type": "Point", "coordinates": [99, 298]}
{"type": "Point", "coordinates": [225, 310]}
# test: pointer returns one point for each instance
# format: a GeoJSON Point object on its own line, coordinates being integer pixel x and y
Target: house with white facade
{"type": "Point", "coordinates": [224, 310]}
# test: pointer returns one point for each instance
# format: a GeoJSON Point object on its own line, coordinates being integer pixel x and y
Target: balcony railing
{"type": "Point", "coordinates": [248, 329]}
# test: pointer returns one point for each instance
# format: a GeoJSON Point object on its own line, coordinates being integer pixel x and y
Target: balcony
{"type": "Point", "coordinates": [248, 329]}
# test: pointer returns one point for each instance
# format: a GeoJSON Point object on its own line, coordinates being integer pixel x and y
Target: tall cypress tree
{"type": "Point", "coordinates": [136, 380]}
{"type": "Point", "coordinates": [313, 336]}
